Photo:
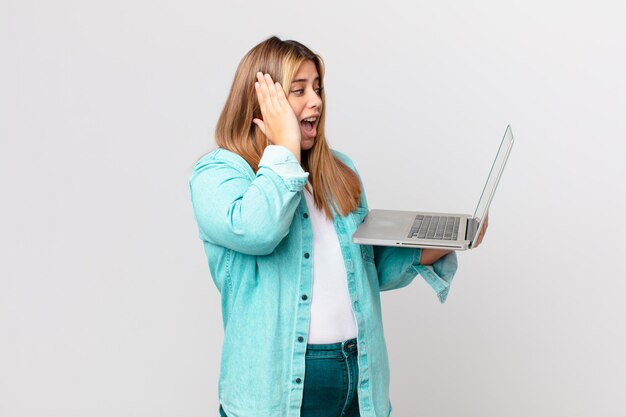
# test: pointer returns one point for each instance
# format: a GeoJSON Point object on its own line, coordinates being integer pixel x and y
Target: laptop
{"type": "Point", "coordinates": [434, 230]}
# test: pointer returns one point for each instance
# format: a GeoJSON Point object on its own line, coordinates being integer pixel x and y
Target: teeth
{"type": "Point", "coordinates": [310, 119]}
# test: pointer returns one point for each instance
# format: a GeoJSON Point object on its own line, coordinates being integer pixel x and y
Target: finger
{"type": "Point", "coordinates": [259, 96]}
{"type": "Point", "coordinates": [272, 90]}
{"type": "Point", "coordinates": [258, 85]}
{"type": "Point", "coordinates": [260, 124]}
{"type": "Point", "coordinates": [282, 98]}
{"type": "Point", "coordinates": [260, 78]}
{"type": "Point", "coordinates": [482, 236]}
{"type": "Point", "coordinates": [265, 91]}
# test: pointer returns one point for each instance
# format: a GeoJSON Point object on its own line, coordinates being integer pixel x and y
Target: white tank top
{"type": "Point", "coordinates": [332, 318]}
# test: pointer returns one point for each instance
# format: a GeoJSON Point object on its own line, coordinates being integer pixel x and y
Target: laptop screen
{"type": "Point", "coordinates": [494, 176]}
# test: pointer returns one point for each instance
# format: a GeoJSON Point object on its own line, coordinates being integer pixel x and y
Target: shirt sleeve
{"type": "Point", "coordinates": [439, 276]}
{"type": "Point", "coordinates": [397, 267]}
{"type": "Point", "coordinates": [239, 210]}
{"type": "Point", "coordinates": [284, 163]}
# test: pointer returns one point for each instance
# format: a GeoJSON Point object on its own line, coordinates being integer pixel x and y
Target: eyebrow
{"type": "Point", "coordinates": [304, 79]}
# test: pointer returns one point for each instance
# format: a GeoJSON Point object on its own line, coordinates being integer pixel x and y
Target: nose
{"type": "Point", "coordinates": [314, 100]}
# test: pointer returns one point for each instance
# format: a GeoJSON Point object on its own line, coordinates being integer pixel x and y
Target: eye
{"type": "Point", "coordinates": [319, 90]}
{"type": "Point", "coordinates": [298, 92]}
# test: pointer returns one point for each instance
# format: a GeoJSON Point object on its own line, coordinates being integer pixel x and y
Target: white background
{"type": "Point", "coordinates": [106, 303]}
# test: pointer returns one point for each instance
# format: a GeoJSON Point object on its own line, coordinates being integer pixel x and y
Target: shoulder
{"type": "Point", "coordinates": [221, 158]}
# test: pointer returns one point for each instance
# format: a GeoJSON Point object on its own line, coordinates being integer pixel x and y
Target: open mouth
{"type": "Point", "coordinates": [309, 126]}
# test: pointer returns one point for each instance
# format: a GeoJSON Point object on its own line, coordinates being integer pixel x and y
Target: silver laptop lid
{"type": "Point", "coordinates": [493, 179]}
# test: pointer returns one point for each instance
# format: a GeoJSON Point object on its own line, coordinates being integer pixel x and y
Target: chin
{"type": "Point", "coordinates": [306, 144]}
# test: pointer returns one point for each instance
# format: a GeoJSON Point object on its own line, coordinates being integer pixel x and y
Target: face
{"type": "Point", "coordinates": [305, 98]}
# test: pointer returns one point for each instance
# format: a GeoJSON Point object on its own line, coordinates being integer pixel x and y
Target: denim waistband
{"type": "Point", "coordinates": [332, 349]}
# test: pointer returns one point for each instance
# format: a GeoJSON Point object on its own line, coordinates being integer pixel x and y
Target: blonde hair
{"type": "Point", "coordinates": [333, 182]}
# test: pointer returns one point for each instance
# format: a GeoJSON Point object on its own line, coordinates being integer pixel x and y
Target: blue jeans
{"type": "Point", "coordinates": [330, 381]}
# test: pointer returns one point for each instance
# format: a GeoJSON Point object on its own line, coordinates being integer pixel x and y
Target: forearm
{"type": "Point", "coordinates": [430, 256]}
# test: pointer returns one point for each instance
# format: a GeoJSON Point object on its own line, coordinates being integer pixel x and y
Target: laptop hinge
{"type": "Point", "coordinates": [470, 230]}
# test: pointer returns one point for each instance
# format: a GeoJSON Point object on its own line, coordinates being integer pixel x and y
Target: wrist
{"type": "Point", "coordinates": [295, 150]}
{"type": "Point", "coordinates": [430, 256]}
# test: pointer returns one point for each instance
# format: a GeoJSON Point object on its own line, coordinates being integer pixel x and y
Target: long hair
{"type": "Point", "coordinates": [333, 182]}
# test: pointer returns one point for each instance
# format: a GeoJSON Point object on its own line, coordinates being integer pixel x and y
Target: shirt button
{"type": "Point", "coordinates": [298, 380]}
{"type": "Point", "coordinates": [306, 255]}
{"type": "Point", "coordinates": [300, 338]}
{"type": "Point", "coordinates": [305, 215]}
{"type": "Point", "coordinates": [304, 297]}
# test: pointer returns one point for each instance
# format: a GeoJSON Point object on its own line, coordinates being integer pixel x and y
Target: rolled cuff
{"type": "Point", "coordinates": [439, 276]}
{"type": "Point", "coordinates": [284, 163]}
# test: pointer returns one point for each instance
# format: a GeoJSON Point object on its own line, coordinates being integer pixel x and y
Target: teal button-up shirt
{"type": "Point", "coordinates": [258, 241]}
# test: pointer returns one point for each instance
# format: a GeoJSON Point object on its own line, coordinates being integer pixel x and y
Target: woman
{"type": "Point", "coordinates": [275, 207]}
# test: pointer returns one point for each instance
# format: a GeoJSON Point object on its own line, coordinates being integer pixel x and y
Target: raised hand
{"type": "Point", "coordinates": [279, 122]}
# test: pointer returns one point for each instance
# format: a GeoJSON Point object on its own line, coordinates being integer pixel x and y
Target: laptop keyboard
{"type": "Point", "coordinates": [435, 227]}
